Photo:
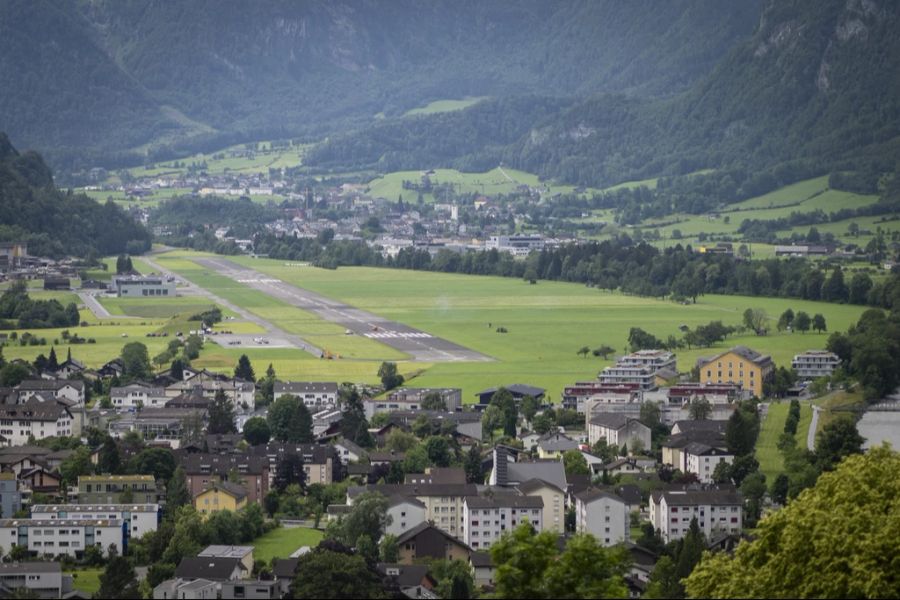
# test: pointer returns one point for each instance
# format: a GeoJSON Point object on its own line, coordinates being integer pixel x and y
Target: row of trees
{"type": "Point", "coordinates": [18, 310]}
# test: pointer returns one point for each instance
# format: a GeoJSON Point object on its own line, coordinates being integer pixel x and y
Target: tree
{"type": "Point", "coordinates": [700, 409]}
{"type": "Point", "coordinates": [491, 420]}
{"type": "Point", "coordinates": [136, 360]}
{"type": "Point", "coordinates": [290, 421]}
{"type": "Point", "coordinates": [603, 351]}
{"type": "Point", "coordinates": [529, 407]}
{"type": "Point", "coordinates": [860, 285]}
{"type": "Point", "coordinates": [834, 289]}
{"type": "Point", "coordinates": [176, 369]}
{"type": "Point", "coordinates": [108, 459]}
{"type": "Point", "coordinates": [575, 463]}
{"type": "Point", "coordinates": [76, 464]}
{"type": "Point", "coordinates": [802, 322]}
{"type": "Point", "coordinates": [389, 376]}
{"type": "Point", "coordinates": [753, 489]}
{"type": "Point", "coordinates": [779, 489]}
{"type": "Point", "coordinates": [741, 431]}
{"type": "Point", "coordinates": [289, 471]}
{"type": "Point", "coordinates": [333, 571]}
{"type": "Point", "coordinates": [818, 323]}
{"type": "Point", "coordinates": [52, 362]}
{"type": "Point", "coordinates": [837, 440]}
{"type": "Point", "coordinates": [244, 370]}
{"type": "Point", "coordinates": [504, 400]}
{"type": "Point", "coordinates": [159, 462]}
{"type": "Point", "coordinates": [367, 518]}
{"type": "Point", "coordinates": [434, 401]}
{"type": "Point", "coordinates": [256, 431]}
{"type": "Point", "coordinates": [584, 351]}
{"type": "Point", "coordinates": [454, 579]}
{"type": "Point", "coordinates": [438, 450]}
{"type": "Point", "coordinates": [177, 493]}
{"type": "Point", "coordinates": [529, 565]}
{"type": "Point", "coordinates": [473, 465]}
{"type": "Point", "coordinates": [221, 415]}
{"type": "Point", "coordinates": [837, 518]}
{"type": "Point", "coordinates": [786, 320]}
{"type": "Point", "coordinates": [13, 374]}
{"type": "Point", "coordinates": [118, 579]}
{"type": "Point", "coordinates": [756, 319]}
{"type": "Point", "coordinates": [389, 549]}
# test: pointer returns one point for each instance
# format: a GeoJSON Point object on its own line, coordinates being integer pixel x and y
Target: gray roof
{"type": "Point", "coordinates": [699, 449]}
{"type": "Point", "coordinates": [49, 384]}
{"type": "Point", "coordinates": [34, 410]}
{"type": "Point", "coordinates": [285, 568]}
{"type": "Point", "coordinates": [221, 551]}
{"type": "Point", "coordinates": [728, 496]}
{"type": "Point", "coordinates": [688, 426]}
{"type": "Point", "coordinates": [612, 420]}
{"type": "Point", "coordinates": [557, 442]}
{"type": "Point", "coordinates": [41, 508]}
{"type": "Point", "coordinates": [589, 495]}
{"type": "Point", "coordinates": [203, 567]}
{"type": "Point", "coordinates": [481, 559]}
{"type": "Point", "coordinates": [517, 389]}
{"type": "Point", "coordinates": [33, 566]}
{"type": "Point", "coordinates": [536, 484]}
{"type": "Point", "coordinates": [505, 501]}
{"type": "Point", "coordinates": [742, 351]}
{"type": "Point", "coordinates": [416, 490]}
{"type": "Point", "coordinates": [551, 471]}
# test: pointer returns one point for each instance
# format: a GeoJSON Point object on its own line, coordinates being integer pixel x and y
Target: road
{"type": "Point", "coordinates": [813, 426]}
{"type": "Point", "coordinates": [420, 345]}
{"type": "Point", "coordinates": [94, 305]}
{"type": "Point", "coordinates": [190, 289]}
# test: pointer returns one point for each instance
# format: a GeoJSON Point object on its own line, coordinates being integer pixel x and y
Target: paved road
{"type": "Point", "coordinates": [190, 289]}
{"type": "Point", "coordinates": [813, 425]}
{"type": "Point", "coordinates": [422, 346]}
{"type": "Point", "coordinates": [94, 305]}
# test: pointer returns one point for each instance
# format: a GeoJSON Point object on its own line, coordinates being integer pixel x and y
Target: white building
{"type": "Point", "coordinates": [43, 578]}
{"type": "Point", "coordinates": [618, 430]}
{"type": "Point", "coordinates": [316, 395]}
{"type": "Point", "coordinates": [815, 363]}
{"type": "Point", "coordinates": [517, 245]}
{"type": "Point", "coordinates": [241, 393]}
{"type": "Point", "coordinates": [643, 377]}
{"type": "Point", "coordinates": [654, 359]}
{"type": "Point", "coordinates": [62, 536]}
{"type": "Point", "coordinates": [405, 513]}
{"type": "Point", "coordinates": [71, 391]}
{"type": "Point", "coordinates": [485, 519]}
{"type": "Point", "coordinates": [135, 287]}
{"type": "Point", "coordinates": [554, 499]}
{"type": "Point", "coordinates": [141, 518]}
{"type": "Point", "coordinates": [716, 510]}
{"type": "Point", "coordinates": [603, 515]}
{"type": "Point", "coordinates": [137, 394]}
{"type": "Point", "coordinates": [411, 399]}
{"type": "Point", "coordinates": [35, 419]}
{"type": "Point", "coordinates": [701, 460]}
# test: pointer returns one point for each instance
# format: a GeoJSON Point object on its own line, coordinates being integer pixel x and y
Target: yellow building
{"type": "Point", "coordinates": [738, 365]}
{"type": "Point", "coordinates": [221, 496]}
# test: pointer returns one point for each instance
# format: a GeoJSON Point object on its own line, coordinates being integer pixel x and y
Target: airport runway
{"type": "Point", "coordinates": [422, 346]}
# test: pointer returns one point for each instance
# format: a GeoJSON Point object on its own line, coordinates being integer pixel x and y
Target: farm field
{"type": "Point", "coordinates": [282, 542]}
{"type": "Point", "coordinates": [439, 106]}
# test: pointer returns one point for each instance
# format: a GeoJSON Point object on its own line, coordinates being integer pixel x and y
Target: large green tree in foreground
{"type": "Point", "coordinates": [838, 539]}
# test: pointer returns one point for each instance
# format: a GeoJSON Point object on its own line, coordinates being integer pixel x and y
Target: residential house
{"type": "Point", "coordinates": [321, 462]}
{"type": "Point", "coordinates": [242, 553]}
{"type": "Point", "coordinates": [213, 568]}
{"type": "Point", "coordinates": [553, 445]}
{"type": "Point", "coordinates": [405, 512]}
{"type": "Point", "coordinates": [738, 365]}
{"type": "Point", "coordinates": [427, 541]}
{"type": "Point", "coordinates": [482, 568]}
{"type": "Point", "coordinates": [187, 589]}
{"type": "Point", "coordinates": [221, 495]}
{"type": "Point", "coordinates": [507, 472]}
{"type": "Point", "coordinates": [701, 460]}
{"type": "Point", "coordinates": [250, 589]}
{"type": "Point", "coordinates": [137, 395]}
{"type": "Point", "coordinates": [582, 396]}
{"type": "Point", "coordinates": [443, 502]}
{"type": "Point", "coordinates": [40, 579]}
{"type": "Point", "coordinates": [71, 390]}
{"type": "Point", "coordinates": [412, 580]}
{"type": "Point", "coordinates": [518, 391]}
{"type": "Point", "coordinates": [618, 430]}
{"type": "Point", "coordinates": [10, 496]}
{"type": "Point", "coordinates": [35, 419]}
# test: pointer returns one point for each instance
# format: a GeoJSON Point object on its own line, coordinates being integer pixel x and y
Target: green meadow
{"type": "Point", "coordinates": [284, 541]}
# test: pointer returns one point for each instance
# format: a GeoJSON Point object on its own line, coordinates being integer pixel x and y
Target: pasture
{"type": "Point", "coordinates": [440, 106]}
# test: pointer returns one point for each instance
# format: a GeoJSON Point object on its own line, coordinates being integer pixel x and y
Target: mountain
{"type": "Point", "coordinates": [125, 79]}
{"type": "Point", "coordinates": [56, 223]}
{"type": "Point", "coordinates": [815, 88]}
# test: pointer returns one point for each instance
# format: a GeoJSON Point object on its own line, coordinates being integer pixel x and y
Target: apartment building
{"type": "Point", "coordinates": [137, 395]}
{"type": "Point", "coordinates": [618, 430]}
{"type": "Point", "coordinates": [43, 579]}
{"type": "Point", "coordinates": [738, 365]}
{"type": "Point", "coordinates": [716, 508]}
{"type": "Point", "coordinates": [321, 462]}
{"type": "Point", "coordinates": [443, 501]}
{"type": "Point", "coordinates": [410, 399]}
{"type": "Point", "coordinates": [485, 519]}
{"type": "Point", "coordinates": [70, 390]}
{"type": "Point", "coordinates": [63, 536]}
{"type": "Point", "coordinates": [553, 497]}
{"type": "Point", "coordinates": [315, 395]}
{"type": "Point", "coordinates": [701, 460]}
{"type": "Point", "coordinates": [815, 363]}
{"type": "Point", "coordinates": [108, 489]}
{"type": "Point", "coordinates": [139, 518]}
{"type": "Point", "coordinates": [203, 470]}
{"type": "Point", "coordinates": [36, 419]}
{"type": "Point", "coordinates": [582, 395]}
{"type": "Point", "coordinates": [602, 514]}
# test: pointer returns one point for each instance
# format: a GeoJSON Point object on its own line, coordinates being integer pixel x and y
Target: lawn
{"type": "Point", "coordinates": [284, 541]}
{"type": "Point", "coordinates": [86, 580]}
{"type": "Point", "coordinates": [156, 307]}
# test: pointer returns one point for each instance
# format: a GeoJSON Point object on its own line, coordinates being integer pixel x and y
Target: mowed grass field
{"type": "Point", "coordinates": [282, 542]}
{"type": "Point", "coordinates": [771, 461]}
{"type": "Point", "coordinates": [547, 323]}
